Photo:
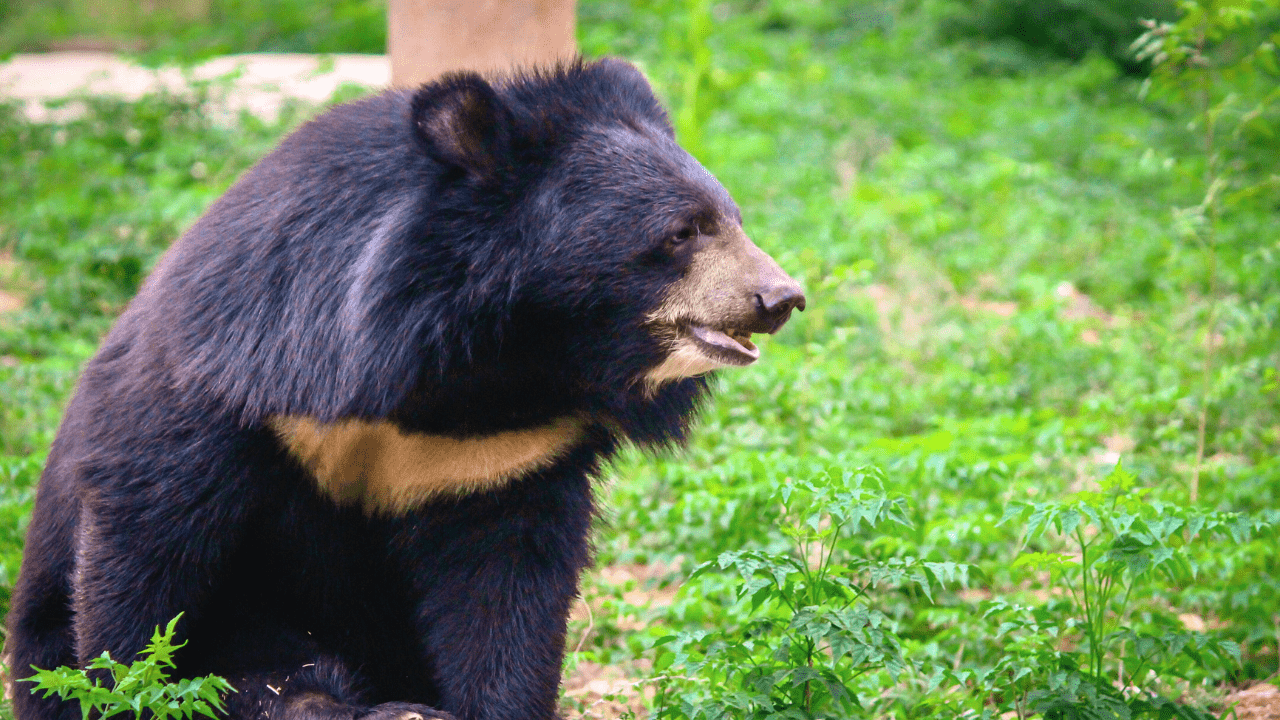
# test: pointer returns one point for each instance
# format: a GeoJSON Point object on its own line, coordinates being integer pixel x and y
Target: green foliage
{"type": "Point", "coordinates": [90, 238]}
{"type": "Point", "coordinates": [1220, 61]}
{"type": "Point", "coordinates": [86, 207]}
{"type": "Point", "coordinates": [1082, 653]}
{"type": "Point", "coordinates": [811, 629]}
{"type": "Point", "coordinates": [1214, 59]}
{"type": "Point", "coordinates": [1070, 29]}
{"type": "Point", "coordinates": [1017, 269]}
{"type": "Point", "coordinates": [233, 26]}
{"type": "Point", "coordinates": [190, 30]}
{"type": "Point", "coordinates": [141, 688]}
{"type": "Point", "coordinates": [18, 477]}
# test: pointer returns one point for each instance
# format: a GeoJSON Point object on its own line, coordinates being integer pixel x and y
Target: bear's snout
{"type": "Point", "coordinates": [775, 293]}
{"type": "Point", "coordinates": [775, 301]}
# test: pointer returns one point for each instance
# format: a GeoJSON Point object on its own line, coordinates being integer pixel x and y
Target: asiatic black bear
{"type": "Point", "coordinates": [349, 425]}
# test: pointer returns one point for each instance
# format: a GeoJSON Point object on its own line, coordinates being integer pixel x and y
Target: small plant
{"type": "Point", "coordinates": [1084, 652]}
{"type": "Point", "coordinates": [142, 687]}
{"type": "Point", "coordinates": [1220, 62]}
{"type": "Point", "coordinates": [812, 629]}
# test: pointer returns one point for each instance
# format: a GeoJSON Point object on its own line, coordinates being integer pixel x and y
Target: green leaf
{"type": "Point", "coordinates": [138, 687]}
{"type": "Point", "coordinates": [1067, 521]}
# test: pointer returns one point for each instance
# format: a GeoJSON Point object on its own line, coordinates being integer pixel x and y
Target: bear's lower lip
{"type": "Point", "coordinates": [733, 347]}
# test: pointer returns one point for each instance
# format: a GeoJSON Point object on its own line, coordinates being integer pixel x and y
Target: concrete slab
{"type": "Point", "coordinates": [260, 82]}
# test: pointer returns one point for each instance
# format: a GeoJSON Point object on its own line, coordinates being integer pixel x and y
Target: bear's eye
{"type": "Point", "coordinates": [682, 236]}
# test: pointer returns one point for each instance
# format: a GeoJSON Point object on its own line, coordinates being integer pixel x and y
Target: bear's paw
{"type": "Point", "coordinates": [404, 711]}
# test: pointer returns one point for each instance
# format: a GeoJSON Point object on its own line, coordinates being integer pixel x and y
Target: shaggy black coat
{"type": "Point", "coordinates": [467, 258]}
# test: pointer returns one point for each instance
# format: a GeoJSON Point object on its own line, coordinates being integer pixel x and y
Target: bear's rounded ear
{"type": "Point", "coordinates": [461, 122]}
{"type": "Point", "coordinates": [622, 72]}
{"type": "Point", "coordinates": [627, 84]}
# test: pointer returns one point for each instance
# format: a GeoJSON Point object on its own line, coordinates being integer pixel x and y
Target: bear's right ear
{"type": "Point", "coordinates": [462, 122]}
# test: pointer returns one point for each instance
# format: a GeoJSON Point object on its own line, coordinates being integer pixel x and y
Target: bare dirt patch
{"type": "Point", "coordinates": [604, 692]}
{"type": "Point", "coordinates": [260, 83]}
{"type": "Point", "coordinates": [6, 685]}
{"type": "Point", "coordinates": [1260, 702]}
{"type": "Point", "coordinates": [10, 298]}
{"type": "Point", "coordinates": [615, 597]}
{"type": "Point", "coordinates": [9, 303]}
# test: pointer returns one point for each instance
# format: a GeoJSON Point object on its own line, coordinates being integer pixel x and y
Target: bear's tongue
{"type": "Point", "coordinates": [741, 348]}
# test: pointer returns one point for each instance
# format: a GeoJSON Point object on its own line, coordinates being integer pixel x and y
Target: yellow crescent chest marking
{"type": "Point", "coordinates": [386, 470]}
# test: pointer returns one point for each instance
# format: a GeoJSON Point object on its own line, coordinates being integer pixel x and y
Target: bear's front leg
{"type": "Point", "coordinates": [161, 513]}
{"type": "Point", "coordinates": [496, 574]}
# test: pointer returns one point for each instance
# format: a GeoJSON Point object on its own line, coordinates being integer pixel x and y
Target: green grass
{"type": "Point", "coordinates": [1007, 295]}
{"type": "Point", "coordinates": [190, 30]}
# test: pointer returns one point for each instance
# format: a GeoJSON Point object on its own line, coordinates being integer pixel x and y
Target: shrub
{"type": "Point", "coordinates": [1068, 29]}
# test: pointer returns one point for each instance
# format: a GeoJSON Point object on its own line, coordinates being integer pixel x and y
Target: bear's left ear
{"type": "Point", "coordinates": [462, 122]}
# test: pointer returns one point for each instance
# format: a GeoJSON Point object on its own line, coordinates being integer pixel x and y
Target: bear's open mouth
{"type": "Point", "coordinates": [732, 346]}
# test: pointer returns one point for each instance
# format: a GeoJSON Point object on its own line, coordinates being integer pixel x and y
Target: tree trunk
{"type": "Point", "coordinates": [428, 37]}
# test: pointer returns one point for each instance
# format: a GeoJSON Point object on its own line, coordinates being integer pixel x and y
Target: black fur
{"type": "Point", "coordinates": [464, 259]}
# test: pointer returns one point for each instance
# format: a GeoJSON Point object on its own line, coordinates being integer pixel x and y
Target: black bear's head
{"type": "Point", "coordinates": [474, 256]}
{"type": "Point", "coordinates": [611, 259]}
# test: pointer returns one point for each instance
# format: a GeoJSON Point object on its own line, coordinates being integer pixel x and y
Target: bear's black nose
{"type": "Point", "coordinates": [780, 300]}
{"type": "Point", "coordinates": [775, 303]}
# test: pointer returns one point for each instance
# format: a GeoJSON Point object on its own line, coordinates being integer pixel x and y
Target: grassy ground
{"type": "Point", "coordinates": [1010, 293]}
